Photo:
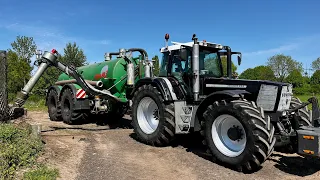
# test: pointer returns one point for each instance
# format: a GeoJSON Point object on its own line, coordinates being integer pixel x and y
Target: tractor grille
{"type": "Point", "coordinates": [285, 98]}
{"type": "Point", "coordinates": [267, 97]}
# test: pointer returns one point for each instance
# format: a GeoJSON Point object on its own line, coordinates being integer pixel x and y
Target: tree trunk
{"type": "Point", "coordinates": [3, 86]}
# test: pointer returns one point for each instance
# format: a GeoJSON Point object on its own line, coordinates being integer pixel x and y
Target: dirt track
{"type": "Point", "coordinates": [115, 154]}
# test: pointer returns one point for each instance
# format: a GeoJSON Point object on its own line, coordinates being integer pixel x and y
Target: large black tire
{"type": "Point", "coordinates": [69, 115]}
{"type": "Point", "coordinates": [259, 134]}
{"type": "Point", "coordinates": [54, 107]}
{"type": "Point", "coordinates": [164, 133]}
{"type": "Point", "coordinates": [302, 115]}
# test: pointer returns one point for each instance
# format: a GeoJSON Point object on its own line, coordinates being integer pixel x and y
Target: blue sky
{"type": "Point", "coordinates": [259, 29]}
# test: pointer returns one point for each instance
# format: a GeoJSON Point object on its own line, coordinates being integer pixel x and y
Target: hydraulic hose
{"type": "Point", "coordinates": [141, 51]}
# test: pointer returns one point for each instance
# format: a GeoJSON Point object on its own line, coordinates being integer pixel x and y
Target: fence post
{"type": "Point", "coordinates": [3, 86]}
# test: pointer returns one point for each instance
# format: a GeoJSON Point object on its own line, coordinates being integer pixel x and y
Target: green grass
{"type": "Point", "coordinates": [35, 105]}
{"type": "Point", "coordinates": [41, 173]}
{"type": "Point", "coordinates": [19, 150]}
{"type": "Point", "coordinates": [304, 98]}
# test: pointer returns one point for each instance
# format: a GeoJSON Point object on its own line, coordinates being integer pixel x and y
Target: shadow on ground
{"type": "Point", "coordinates": [193, 143]}
{"type": "Point", "coordinates": [296, 165]}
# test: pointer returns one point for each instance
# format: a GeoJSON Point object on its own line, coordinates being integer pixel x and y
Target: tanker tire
{"type": "Point", "coordinates": [302, 115]}
{"type": "Point", "coordinates": [164, 133]}
{"type": "Point", "coordinates": [54, 107]}
{"type": "Point", "coordinates": [69, 115]}
{"type": "Point", "coordinates": [259, 132]}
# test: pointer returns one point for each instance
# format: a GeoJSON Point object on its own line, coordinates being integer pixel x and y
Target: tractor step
{"type": "Point", "coordinates": [309, 141]}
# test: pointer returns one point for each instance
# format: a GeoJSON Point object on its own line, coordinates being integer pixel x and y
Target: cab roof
{"type": "Point", "coordinates": [177, 46]}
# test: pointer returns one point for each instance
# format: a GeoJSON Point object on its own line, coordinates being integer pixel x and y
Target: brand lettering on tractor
{"type": "Point", "coordinates": [81, 94]}
{"type": "Point", "coordinates": [226, 86]}
{"type": "Point", "coordinates": [103, 73]}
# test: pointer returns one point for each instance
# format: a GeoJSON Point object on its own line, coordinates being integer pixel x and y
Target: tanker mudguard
{"type": "Point", "coordinates": [162, 84]}
{"type": "Point", "coordinates": [56, 88]}
{"type": "Point", "coordinates": [79, 104]}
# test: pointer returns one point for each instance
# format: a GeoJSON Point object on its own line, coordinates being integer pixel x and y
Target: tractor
{"type": "Point", "coordinates": [240, 121]}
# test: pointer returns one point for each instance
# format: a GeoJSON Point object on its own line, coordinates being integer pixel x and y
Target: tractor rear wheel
{"type": "Point", "coordinates": [54, 108]}
{"type": "Point", "coordinates": [302, 115]}
{"type": "Point", "coordinates": [238, 134]}
{"type": "Point", "coordinates": [153, 120]}
{"type": "Point", "coordinates": [69, 114]}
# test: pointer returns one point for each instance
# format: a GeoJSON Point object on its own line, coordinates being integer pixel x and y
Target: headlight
{"type": "Point", "coordinates": [267, 97]}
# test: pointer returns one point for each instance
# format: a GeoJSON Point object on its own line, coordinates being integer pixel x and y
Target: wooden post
{"type": "Point", "coordinates": [3, 86]}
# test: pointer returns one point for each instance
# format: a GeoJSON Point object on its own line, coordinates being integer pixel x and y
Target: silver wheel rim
{"type": "Point", "coordinates": [148, 115]}
{"type": "Point", "coordinates": [221, 138]}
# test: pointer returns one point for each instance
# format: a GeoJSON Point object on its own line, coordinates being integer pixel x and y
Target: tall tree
{"type": "Point", "coordinates": [224, 66]}
{"type": "Point", "coordinates": [316, 64]}
{"type": "Point", "coordinates": [283, 65]}
{"type": "Point", "coordinates": [73, 55]}
{"type": "Point", "coordinates": [315, 78]}
{"type": "Point", "coordinates": [156, 65]}
{"type": "Point", "coordinates": [258, 73]}
{"type": "Point", "coordinates": [25, 47]}
{"type": "Point", "coordinates": [18, 71]}
{"type": "Point", "coordinates": [295, 78]}
{"type": "Point", "coordinates": [212, 63]}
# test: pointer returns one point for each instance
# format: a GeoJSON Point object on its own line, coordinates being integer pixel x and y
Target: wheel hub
{"type": "Point", "coordinates": [228, 135]}
{"type": "Point", "coordinates": [148, 115]}
{"type": "Point", "coordinates": [235, 133]}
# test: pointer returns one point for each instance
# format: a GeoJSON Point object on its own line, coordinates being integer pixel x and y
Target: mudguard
{"type": "Point", "coordinates": [80, 104]}
{"type": "Point", "coordinates": [56, 88]}
{"type": "Point", "coordinates": [162, 84]}
{"type": "Point", "coordinates": [215, 96]}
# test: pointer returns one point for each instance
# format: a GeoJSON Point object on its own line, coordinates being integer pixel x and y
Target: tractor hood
{"type": "Point", "coordinates": [272, 96]}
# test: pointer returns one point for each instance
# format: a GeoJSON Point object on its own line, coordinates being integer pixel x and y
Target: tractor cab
{"type": "Point", "coordinates": [183, 62]}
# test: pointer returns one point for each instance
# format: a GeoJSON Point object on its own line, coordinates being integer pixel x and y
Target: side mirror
{"type": "Point", "coordinates": [183, 54]}
{"type": "Point", "coordinates": [239, 59]}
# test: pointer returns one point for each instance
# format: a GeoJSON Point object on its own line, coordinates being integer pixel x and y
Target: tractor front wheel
{"type": "Point", "coordinates": [69, 114]}
{"type": "Point", "coordinates": [238, 134]}
{"type": "Point", "coordinates": [54, 108]}
{"type": "Point", "coordinates": [153, 120]}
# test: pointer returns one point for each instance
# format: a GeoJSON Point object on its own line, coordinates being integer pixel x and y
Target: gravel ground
{"type": "Point", "coordinates": [115, 154]}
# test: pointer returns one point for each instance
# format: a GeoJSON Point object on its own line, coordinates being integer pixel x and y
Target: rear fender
{"type": "Point", "coordinates": [216, 96]}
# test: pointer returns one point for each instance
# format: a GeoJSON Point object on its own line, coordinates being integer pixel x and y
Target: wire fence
{"type": "Point", "coordinates": [3, 86]}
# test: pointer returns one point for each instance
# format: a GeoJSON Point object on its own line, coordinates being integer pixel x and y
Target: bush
{"type": "Point", "coordinates": [18, 148]}
{"type": "Point", "coordinates": [41, 173]}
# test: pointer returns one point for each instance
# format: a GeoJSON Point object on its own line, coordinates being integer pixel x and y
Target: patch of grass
{"type": "Point", "coordinates": [35, 105]}
{"type": "Point", "coordinates": [41, 173]}
{"type": "Point", "coordinates": [18, 148]}
{"type": "Point", "coordinates": [304, 98]}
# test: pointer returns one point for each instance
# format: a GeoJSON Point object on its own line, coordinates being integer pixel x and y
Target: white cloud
{"type": "Point", "coordinates": [47, 38]}
{"type": "Point", "coordinates": [296, 43]}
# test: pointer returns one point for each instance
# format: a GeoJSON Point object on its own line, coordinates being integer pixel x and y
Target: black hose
{"type": "Point", "coordinates": [142, 52]}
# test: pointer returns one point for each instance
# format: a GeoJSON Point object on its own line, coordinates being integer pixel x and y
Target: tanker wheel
{"type": "Point", "coordinates": [238, 134]}
{"type": "Point", "coordinates": [69, 115]}
{"type": "Point", "coordinates": [153, 120]}
{"type": "Point", "coordinates": [54, 107]}
{"type": "Point", "coordinates": [302, 115]}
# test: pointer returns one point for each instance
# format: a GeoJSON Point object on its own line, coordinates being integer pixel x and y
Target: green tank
{"type": "Point", "coordinates": [112, 74]}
